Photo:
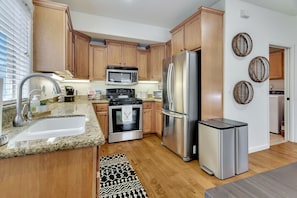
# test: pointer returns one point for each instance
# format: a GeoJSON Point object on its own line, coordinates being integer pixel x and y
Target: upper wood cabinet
{"type": "Point", "coordinates": [276, 62]}
{"type": "Point", "coordinates": [52, 37]}
{"type": "Point", "coordinates": [156, 61]}
{"type": "Point", "coordinates": [187, 36]}
{"type": "Point", "coordinates": [204, 31]}
{"type": "Point", "coordinates": [143, 63]}
{"type": "Point", "coordinates": [81, 53]}
{"type": "Point", "coordinates": [168, 49]}
{"type": "Point", "coordinates": [97, 62]}
{"type": "Point", "coordinates": [121, 53]}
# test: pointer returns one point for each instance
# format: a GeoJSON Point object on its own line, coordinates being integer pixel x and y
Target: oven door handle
{"type": "Point", "coordinates": [176, 115]}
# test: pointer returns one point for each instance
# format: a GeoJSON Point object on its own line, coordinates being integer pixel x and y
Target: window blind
{"type": "Point", "coordinates": [15, 45]}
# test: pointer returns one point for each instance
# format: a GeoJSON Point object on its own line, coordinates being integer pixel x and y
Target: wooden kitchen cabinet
{"type": "Point", "coordinates": [97, 62]}
{"type": "Point", "coordinates": [203, 31]}
{"type": "Point", "coordinates": [52, 29]}
{"type": "Point", "coordinates": [158, 118]}
{"type": "Point", "coordinates": [59, 174]}
{"type": "Point", "coordinates": [168, 49]}
{"type": "Point", "coordinates": [121, 53]}
{"type": "Point", "coordinates": [276, 62]}
{"type": "Point", "coordinates": [187, 35]}
{"type": "Point", "coordinates": [102, 116]}
{"type": "Point", "coordinates": [147, 113]}
{"type": "Point", "coordinates": [81, 55]}
{"type": "Point", "coordinates": [156, 61]}
{"type": "Point", "coordinates": [177, 40]}
{"type": "Point", "coordinates": [143, 64]}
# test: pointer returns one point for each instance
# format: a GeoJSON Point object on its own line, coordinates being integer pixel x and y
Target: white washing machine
{"type": "Point", "coordinates": [276, 105]}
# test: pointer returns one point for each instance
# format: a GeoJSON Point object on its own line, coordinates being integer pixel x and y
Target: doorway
{"type": "Point", "coordinates": [277, 92]}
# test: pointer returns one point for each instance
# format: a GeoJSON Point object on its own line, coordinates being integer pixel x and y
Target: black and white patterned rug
{"type": "Point", "coordinates": [118, 179]}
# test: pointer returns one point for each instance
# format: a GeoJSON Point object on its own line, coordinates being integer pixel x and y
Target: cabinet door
{"type": "Point", "coordinates": [276, 62]}
{"type": "Point", "coordinates": [147, 117]}
{"type": "Point", "coordinates": [49, 37]}
{"type": "Point", "coordinates": [70, 42]}
{"type": "Point", "coordinates": [103, 122]}
{"type": "Point", "coordinates": [193, 33]}
{"type": "Point", "coordinates": [159, 122]}
{"type": "Point", "coordinates": [114, 53]}
{"type": "Point", "coordinates": [102, 116]}
{"type": "Point", "coordinates": [81, 64]}
{"type": "Point", "coordinates": [158, 118]}
{"type": "Point", "coordinates": [129, 55]}
{"type": "Point", "coordinates": [98, 62]}
{"type": "Point", "coordinates": [156, 61]}
{"type": "Point", "coordinates": [147, 121]}
{"type": "Point", "coordinates": [142, 64]}
{"type": "Point", "coordinates": [177, 41]}
{"type": "Point", "coordinates": [168, 49]}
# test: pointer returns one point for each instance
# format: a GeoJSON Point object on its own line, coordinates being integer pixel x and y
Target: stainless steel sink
{"type": "Point", "coordinates": [52, 127]}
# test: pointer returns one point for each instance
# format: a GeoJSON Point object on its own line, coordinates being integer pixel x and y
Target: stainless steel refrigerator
{"type": "Point", "coordinates": [181, 85]}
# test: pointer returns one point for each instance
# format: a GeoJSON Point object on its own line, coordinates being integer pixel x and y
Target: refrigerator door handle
{"type": "Point", "coordinates": [169, 84]}
{"type": "Point", "coordinates": [173, 114]}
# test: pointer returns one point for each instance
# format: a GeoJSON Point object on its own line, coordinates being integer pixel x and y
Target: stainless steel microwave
{"type": "Point", "coordinates": [117, 75]}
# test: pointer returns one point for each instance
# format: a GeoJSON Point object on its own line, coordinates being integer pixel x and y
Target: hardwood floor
{"type": "Point", "coordinates": [164, 174]}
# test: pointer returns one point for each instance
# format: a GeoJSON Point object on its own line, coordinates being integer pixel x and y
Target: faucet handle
{"type": "Point", "coordinates": [25, 106]}
{"type": "Point", "coordinates": [28, 113]}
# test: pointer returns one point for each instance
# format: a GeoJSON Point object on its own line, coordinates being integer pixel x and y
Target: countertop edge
{"type": "Point", "coordinates": [92, 137]}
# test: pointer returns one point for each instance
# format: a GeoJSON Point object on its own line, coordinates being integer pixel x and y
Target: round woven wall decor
{"type": "Point", "coordinates": [243, 92]}
{"type": "Point", "coordinates": [259, 69]}
{"type": "Point", "coordinates": [242, 44]}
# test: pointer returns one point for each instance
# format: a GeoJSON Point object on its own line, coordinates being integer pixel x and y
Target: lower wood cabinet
{"type": "Point", "coordinates": [102, 116]}
{"type": "Point", "coordinates": [152, 118]}
{"type": "Point", "coordinates": [147, 113]}
{"type": "Point", "coordinates": [60, 174]}
{"type": "Point", "coordinates": [158, 118]}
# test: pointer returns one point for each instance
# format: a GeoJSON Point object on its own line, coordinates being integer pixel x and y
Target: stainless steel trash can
{"type": "Point", "coordinates": [216, 148]}
{"type": "Point", "coordinates": [241, 144]}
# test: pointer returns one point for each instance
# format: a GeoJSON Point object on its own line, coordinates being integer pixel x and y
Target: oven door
{"type": "Point", "coordinates": [120, 130]}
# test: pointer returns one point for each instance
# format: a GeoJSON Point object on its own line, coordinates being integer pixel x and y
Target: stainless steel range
{"type": "Point", "coordinates": [125, 115]}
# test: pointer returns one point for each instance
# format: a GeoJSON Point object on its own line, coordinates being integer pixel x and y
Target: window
{"type": "Point", "coordinates": [15, 45]}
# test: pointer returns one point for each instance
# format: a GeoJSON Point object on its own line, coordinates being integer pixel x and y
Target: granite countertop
{"type": "Point", "coordinates": [151, 100]}
{"type": "Point", "coordinates": [93, 135]}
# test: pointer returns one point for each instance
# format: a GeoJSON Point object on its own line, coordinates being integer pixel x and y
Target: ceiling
{"type": "Point", "coordinates": [284, 6]}
{"type": "Point", "coordinates": [162, 13]}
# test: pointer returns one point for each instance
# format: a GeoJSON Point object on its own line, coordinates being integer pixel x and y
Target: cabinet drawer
{"type": "Point", "coordinates": [146, 105]}
{"type": "Point", "coordinates": [101, 107]}
{"type": "Point", "coordinates": [158, 105]}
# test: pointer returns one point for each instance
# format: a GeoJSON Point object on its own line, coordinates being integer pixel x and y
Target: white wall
{"type": "Point", "coordinates": [265, 27]}
{"type": "Point", "coordinates": [119, 28]}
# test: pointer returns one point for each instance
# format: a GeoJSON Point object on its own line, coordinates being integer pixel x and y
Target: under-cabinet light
{"type": "Point", "coordinates": [76, 80]}
{"type": "Point", "coordinates": [54, 76]}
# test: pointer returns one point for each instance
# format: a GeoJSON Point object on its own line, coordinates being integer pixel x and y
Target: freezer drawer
{"type": "Point", "coordinates": [178, 136]}
{"type": "Point", "coordinates": [217, 148]}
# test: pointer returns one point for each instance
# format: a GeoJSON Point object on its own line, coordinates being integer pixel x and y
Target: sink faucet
{"type": "Point", "coordinates": [19, 117]}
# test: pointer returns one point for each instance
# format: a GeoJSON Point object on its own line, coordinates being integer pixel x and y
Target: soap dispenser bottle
{"type": "Point", "coordinates": [34, 104]}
